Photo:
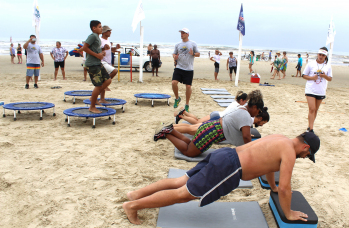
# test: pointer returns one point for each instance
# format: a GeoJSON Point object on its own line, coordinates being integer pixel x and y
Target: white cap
{"type": "Point", "coordinates": [324, 52]}
{"type": "Point", "coordinates": [184, 30]}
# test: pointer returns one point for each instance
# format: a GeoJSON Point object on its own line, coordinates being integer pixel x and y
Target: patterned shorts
{"type": "Point", "coordinates": [98, 74]}
{"type": "Point", "coordinates": [208, 133]}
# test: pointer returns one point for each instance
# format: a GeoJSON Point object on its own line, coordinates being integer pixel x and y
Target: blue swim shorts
{"type": "Point", "coordinates": [215, 176]}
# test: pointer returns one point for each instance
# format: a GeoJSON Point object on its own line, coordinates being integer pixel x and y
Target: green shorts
{"type": "Point", "coordinates": [98, 74]}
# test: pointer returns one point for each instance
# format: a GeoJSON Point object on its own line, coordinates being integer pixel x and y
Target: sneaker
{"type": "Point", "coordinates": [178, 118]}
{"type": "Point", "coordinates": [26, 86]}
{"type": "Point", "coordinates": [159, 136]}
{"type": "Point", "coordinates": [177, 102]}
{"type": "Point", "coordinates": [187, 108]}
{"type": "Point", "coordinates": [36, 86]}
{"type": "Point", "coordinates": [164, 128]}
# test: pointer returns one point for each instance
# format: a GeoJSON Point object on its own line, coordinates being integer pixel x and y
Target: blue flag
{"type": "Point", "coordinates": [241, 22]}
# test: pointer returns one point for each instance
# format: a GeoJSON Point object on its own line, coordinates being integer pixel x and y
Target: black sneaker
{"type": "Point", "coordinates": [180, 113]}
{"type": "Point", "coordinates": [26, 86]}
{"type": "Point", "coordinates": [159, 136]}
{"type": "Point", "coordinates": [167, 128]}
{"type": "Point", "coordinates": [36, 86]}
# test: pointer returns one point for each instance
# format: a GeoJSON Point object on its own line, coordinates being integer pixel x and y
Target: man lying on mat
{"type": "Point", "coordinates": [235, 127]}
{"type": "Point", "coordinates": [220, 173]}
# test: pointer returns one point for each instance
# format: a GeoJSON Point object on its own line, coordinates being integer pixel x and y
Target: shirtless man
{"type": "Point", "coordinates": [246, 162]}
{"type": "Point", "coordinates": [155, 59]}
{"type": "Point", "coordinates": [150, 47]}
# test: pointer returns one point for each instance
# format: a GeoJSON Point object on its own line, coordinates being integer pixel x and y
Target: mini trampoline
{"type": "Point", "coordinates": [77, 93]}
{"type": "Point", "coordinates": [28, 106]}
{"type": "Point", "coordinates": [84, 112]}
{"type": "Point", "coordinates": [113, 102]}
{"type": "Point", "coordinates": [152, 96]}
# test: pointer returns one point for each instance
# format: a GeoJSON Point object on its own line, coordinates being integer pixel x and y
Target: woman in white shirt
{"type": "Point", "coordinates": [317, 73]}
{"type": "Point", "coordinates": [216, 59]}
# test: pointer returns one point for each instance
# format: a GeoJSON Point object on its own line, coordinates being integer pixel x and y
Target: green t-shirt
{"type": "Point", "coordinates": [95, 45]}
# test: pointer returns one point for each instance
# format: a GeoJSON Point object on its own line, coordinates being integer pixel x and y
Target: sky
{"type": "Point", "coordinates": [283, 25]}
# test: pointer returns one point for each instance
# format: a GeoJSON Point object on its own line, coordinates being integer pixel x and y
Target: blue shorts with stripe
{"type": "Point", "coordinates": [33, 69]}
{"type": "Point", "coordinates": [215, 176]}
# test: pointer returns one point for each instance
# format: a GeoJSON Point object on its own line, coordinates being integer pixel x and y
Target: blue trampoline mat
{"type": "Point", "coordinates": [84, 112]}
{"type": "Point", "coordinates": [113, 101]}
{"type": "Point", "coordinates": [152, 96]}
{"type": "Point", "coordinates": [78, 93]}
{"type": "Point", "coordinates": [29, 106]}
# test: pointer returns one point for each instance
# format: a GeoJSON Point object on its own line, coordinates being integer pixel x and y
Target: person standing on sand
{"type": "Point", "coordinates": [150, 47]}
{"type": "Point", "coordinates": [13, 54]}
{"type": "Point", "coordinates": [209, 53]}
{"type": "Point", "coordinates": [19, 54]}
{"type": "Point", "coordinates": [284, 62]}
{"type": "Point", "coordinates": [184, 55]}
{"type": "Point", "coordinates": [216, 59]}
{"type": "Point", "coordinates": [155, 59]}
{"type": "Point", "coordinates": [251, 61]}
{"type": "Point", "coordinates": [57, 54]}
{"type": "Point", "coordinates": [307, 58]}
{"type": "Point", "coordinates": [270, 55]}
{"type": "Point", "coordinates": [317, 73]}
{"type": "Point", "coordinates": [220, 173]}
{"type": "Point", "coordinates": [299, 65]}
{"type": "Point", "coordinates": [277, 65]}
{"type": "Point", "coordinates": [231, 63]}
{"type": "Point", "coordinates": [34, 55]}
{"type": "Point", "coordinates": [106, 47]}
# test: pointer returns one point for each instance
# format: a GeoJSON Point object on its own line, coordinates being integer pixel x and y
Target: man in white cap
{"type": "Point", "coordinates": [106, 46]}
{"type": "Point", "coordinates": [184, 55]}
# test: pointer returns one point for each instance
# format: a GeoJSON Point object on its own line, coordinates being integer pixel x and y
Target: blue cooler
{"type": "Point", "coordinates": [124, 59]}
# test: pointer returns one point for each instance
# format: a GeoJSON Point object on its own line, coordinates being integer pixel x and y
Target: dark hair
{"type": "Point", "coordinates": [252, 53]}
{"type": "Point", "coordinates": [31, 36]}
{"type": "Point", "coordinates": [240, 95]}
{"type": "Point", "coordinates": [264, 114]}
{"type": "Point", "coordinates": [94, 23]}
{"type": "Point", "coordinates": [58, 42]}
{"type": "Point", "coordinates": [276, 56]}
{"type": "Point", "coordinates": [301, 138]}
{"type": "Point", "coordinates": [255, 98]}
{"type": "Point", "coordinates": [231, 53]}
{"type": "Point", "coordinates": [325, 48]}
{"type": "Point", "coordinates": [284, 52]}
{"type": "Point", "coordinates": [299, 54]}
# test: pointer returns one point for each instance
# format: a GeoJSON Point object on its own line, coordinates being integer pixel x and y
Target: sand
{"type": "Point", "coordinates": [52, 175]}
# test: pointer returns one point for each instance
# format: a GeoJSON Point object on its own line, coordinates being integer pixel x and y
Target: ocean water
{"type": "Point", "coordinates": [166, 49]}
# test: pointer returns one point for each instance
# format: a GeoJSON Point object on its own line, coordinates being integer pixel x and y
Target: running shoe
{"type": "Point", "coordinates": [177, 102]}
{"type": "Point", "coordinates": [159, 136]}
{"type": "Point", "coordinates": [187, 108]}
{"type": "Point", "coordinates": [178, 118]}
{"type": "Point", "coordinates": [164, 128]}
{"type": "Point", "coordinates": [36, 86]}
{"type": "Point", "coordinates": [26, 86]}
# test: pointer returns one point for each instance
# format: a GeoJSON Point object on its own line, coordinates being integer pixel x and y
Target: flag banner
{"type": "Point", "coordinates": [331, 33]}
{"type": "Point", "coordinates": [139, 15]}
{"type": "Point", "coordinates": [11, 39]}
{"type": "Point", "coordinates": [241, 22]}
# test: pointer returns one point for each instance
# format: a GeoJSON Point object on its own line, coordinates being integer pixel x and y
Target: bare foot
{"type": "Point", "coordinates": [54, 79]}
{"type": "Point", "coordinates": [107, 89]}
{"type": "Point", "coordinates": [94, 110]}
{"type": "Point", "coordinates": [272, 77]}
{"type": "Point", "coordinates": [64, 79]}
{"type": "Point", "coordinates": [97, 102]}
{"type": "Point", "coordinates": [279, 79]}
{"type": "Point", "coordinates": [157, 75]}
{"type": "Point", "coordinates": [103, 101]}
{"type": "Point", "coordinates": [131, 214]}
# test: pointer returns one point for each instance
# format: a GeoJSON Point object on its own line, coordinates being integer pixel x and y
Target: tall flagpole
{"type": "Point", "coordinates": [239, 61]}
{"type": "Point", "coordinates": [141, 52]}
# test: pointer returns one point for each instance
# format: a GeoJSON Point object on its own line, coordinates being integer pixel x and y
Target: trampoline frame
{"type": "Point", "coordinates": [31, 109]}
{"type": "Point", "coordinates": [76, 95]}
{"type": "Point", "coordinates": [152, 99]}
{"type": "Point", "coordinates": [123, 107]}
{"type": "Point", "coordinates": [94, 118]}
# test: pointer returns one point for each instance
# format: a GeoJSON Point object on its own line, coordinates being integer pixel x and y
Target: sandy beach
{"type": "Point", "coordinates": [52, 175]}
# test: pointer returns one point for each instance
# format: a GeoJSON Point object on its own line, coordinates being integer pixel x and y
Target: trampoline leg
{"type": "Point", "coordinates": [64, 98]}
{"type": "Point", "coordinates": [109, 118]}
{"type": "Point", "coordinates": [3, 115]}
{"type": "Point", "coordinates": [136, 101]}
{"type": "Point", "coordinates": [114, 120]}
{"type": "Point", "coordinates": [54, 113]}
{"type": "Point", "coordinates": [94, 123]}
{"type": "Point", "coordinates": [14, 116]}
{"type": "Point", "coordinates": [168, 102]}
{"type": "Point", "coordinates": [123, 109]}
{"type": "Point", "coordinates": [68, 121]}
{"type": "Point", "coordinates": [41, 114]}
{"type": "Point", "coordinates": [19, 112]}
{"type": "Point", "coordinates": [74, 100]}
{"type": "Point", "coordinates": [152, 103]}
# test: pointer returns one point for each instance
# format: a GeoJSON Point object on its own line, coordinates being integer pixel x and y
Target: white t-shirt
{"type": "Point", "coordinates": [317, 87]}
{"type": "Point", "coordinates": [33, 54]}
{"type": "Point", "coordinates": [107, 57]}
{"type": "Point", "coordinates": [232, 107]}
{"type": "Point", "coordinates": [217, 58]}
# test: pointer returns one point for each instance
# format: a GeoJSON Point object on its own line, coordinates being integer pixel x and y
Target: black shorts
{"type": "Point", "coordinates": [59, 64]}
{"type": "Point", "coordinates": [317, 97]}
{"type": "Point", "coordinates": [183, 76]}
{"type": "Point", "coordinates": [98, 74]}
{"type": "Point", "coordinates": [231, 69]}
{"type": "Point", "coordinates": [155, 63]}
{"type": "Point", "coordinates": [299, 68]}
{"type": "Point", "coordinates": [148, 52]}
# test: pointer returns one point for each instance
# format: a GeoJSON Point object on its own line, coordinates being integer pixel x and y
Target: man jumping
{"type": "Point", "coordinates": [220, 173]}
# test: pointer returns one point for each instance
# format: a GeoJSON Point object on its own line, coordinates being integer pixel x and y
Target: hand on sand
{"type": "Point", "coordinates": [94, 110]}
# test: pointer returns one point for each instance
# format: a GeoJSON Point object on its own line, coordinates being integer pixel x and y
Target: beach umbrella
{"type": "Point", "coordinates": [241, 29]}
{"type": "Point", "coordinates": [138, 17]}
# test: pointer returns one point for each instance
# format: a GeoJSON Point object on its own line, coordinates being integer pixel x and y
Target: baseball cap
{"type": "Point", "coordinates": [313, 141]}
{"type": "Point", "coordinates": [105, 28]}
{"type": "Point", "coordinates": [184, 30]}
